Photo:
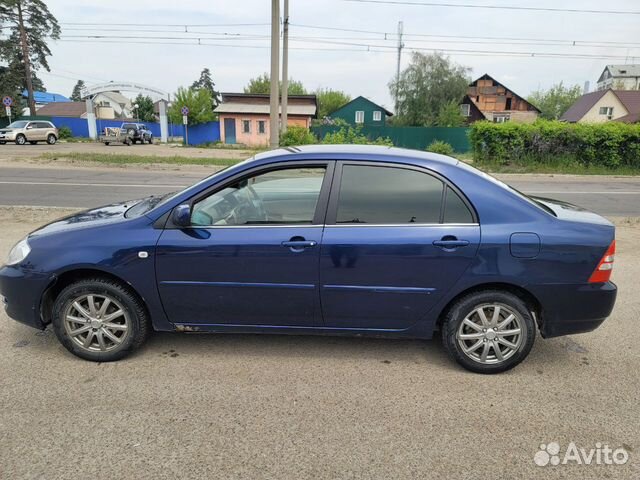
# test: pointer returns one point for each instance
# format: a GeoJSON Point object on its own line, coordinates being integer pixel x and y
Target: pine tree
{"type": "Point", "coordinates": [206, 82]}
{"type": "Point", "coordinates": [76, 94]}
{"type": "Point", "coordinates": [29, 24]}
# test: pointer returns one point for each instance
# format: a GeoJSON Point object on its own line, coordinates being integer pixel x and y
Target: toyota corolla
{"type": "Point", "coordinates": [335, 240]}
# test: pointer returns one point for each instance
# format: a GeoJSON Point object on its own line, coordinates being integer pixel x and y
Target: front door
{"type": "Point", "coordinates": [251, 255]}
{"type": "Point", "coordinates": [230, 130]}
{"type": "Point", "coordinates": [396, 240]}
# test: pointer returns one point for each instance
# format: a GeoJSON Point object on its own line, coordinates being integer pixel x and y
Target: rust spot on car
{"type": "Point", "coordinates": [187, 328]}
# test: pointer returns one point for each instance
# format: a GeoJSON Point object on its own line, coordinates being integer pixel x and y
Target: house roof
{"type": "Point", "coordinates": [117, 97]}
{"type": "Point", "coordinates": [250, 103]}
{"type": "Point", "coordinates": [629, 98]}
{"type": "Point", "coordinates": [46, 97]}
{"type": "Point", "coordinates": [486, 76]}
{"type": "Point", "coordinates": [621, 71]}
{"type": "Point", "coordinates": [63, 109]}
{"type": "Point", "coordinates": [375, 105]}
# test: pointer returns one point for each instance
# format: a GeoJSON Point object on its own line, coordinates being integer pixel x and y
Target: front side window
{"type": "Point", "coordinates": [360, 116]}
{"type": "Point", "coordinates": [278, 197]}
{"type": "Point", "coordinates": [246, 126]}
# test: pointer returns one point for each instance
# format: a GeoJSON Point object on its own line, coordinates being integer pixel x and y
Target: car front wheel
{"type": "Point", "coordinates": [21, 139]}
{"type": "Point", "coordinates": [489, 331]}
{"type": "Point", "coordinates": [99, 319]}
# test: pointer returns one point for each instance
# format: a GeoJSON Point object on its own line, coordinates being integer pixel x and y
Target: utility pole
{"type": "Point", "coordinates": [274, 131]}
{"type": "Point", "coordinates": [285, 65]}
{"type": "Point", "coordinates": [400, 47]}
{"type": "Point", "coordinates": [26, 60]}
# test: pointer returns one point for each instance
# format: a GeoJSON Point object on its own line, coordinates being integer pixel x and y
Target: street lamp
{"type": "Point", "coordinates": [135, 109]}
{"type": "Point", "coordinates": [169, 105]}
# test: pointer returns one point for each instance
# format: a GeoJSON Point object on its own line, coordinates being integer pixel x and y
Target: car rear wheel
{"type": "Point", "coordinates": [21, 139]}
{"type": "Point", "coordinates": [489, 331]}
{"type": "Point", "coordinates": [99, 320]}
{"type": "Point", "coordinates": [51, 139]}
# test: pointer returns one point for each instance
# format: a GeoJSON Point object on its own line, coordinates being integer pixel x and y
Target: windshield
{"type": "Point", "coordinates": [19, 124]}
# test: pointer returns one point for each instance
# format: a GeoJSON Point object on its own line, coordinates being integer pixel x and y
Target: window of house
{"type": "Point", "coordinates": [387, 195]}
{"type": "Point", "coordinates": [261, 126]}
{"type": "Point", "coordinates": [360, 116]}
{"type": "Point", "coordinates": [507, 105]}
{"type": "Point", "coordinates": [608, 111]}
{"type": "Point", "coordinates": [465, 110]}
{"type": "Point", "coordinates": [285, 196]}
{"type": "Point", "coordinates": [246, 126]}
{"type": "Point", "coordinates": [377, 115]}
{"type": "Point", "coordinates": [501, 118]}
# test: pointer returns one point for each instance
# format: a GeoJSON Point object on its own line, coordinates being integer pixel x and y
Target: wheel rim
{"type": "Point", "coordinates": [21, 140]}
{"type": "Point", "coordinates": [52, 139]}
{"type": "Point", "coordinates": [491, 333]}
{"type": "Point", "coordinates": [96, 323]}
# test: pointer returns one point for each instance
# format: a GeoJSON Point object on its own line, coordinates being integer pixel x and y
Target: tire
{"type": "Point", "coordinates": [133, 317]}
{"type": "Point", "coordinates": [21, 139]}
{"type": "Point", "coordinates": [106, 143]}
{"type": "Point", "coordinates": [150, 140]}
{"type": "Point", "coordinates": [33, 143]}
{"type": "Point", "coordinates": [3, 143]}
{"type": "Point", "coordinates": [478, 342]}
{"type": "Point", "coordinates": [51, 139]}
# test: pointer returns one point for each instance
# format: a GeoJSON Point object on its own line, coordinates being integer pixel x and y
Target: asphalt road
{"type": "Point", "coordinates": [284, 407]}
{"type": "Point", "coordinates": [88, 187]}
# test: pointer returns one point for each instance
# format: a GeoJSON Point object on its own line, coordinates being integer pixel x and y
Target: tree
{"type": "Point", "coordinates": [197, 101]}
{"type": "Point", "coordinates": [425, 87]}
{"type": "Point", "coordinates": [205, 81]}
{"type": "Point", "coordinates": [77, 91]}
{"type": "Point", "coordinates": [330, 100]}
{"type": "Point", "coordinates": [145, 111]}
{"type": "Point", "coordinates": [450, 115]}
{"type": "Point", "coordinates": [13, 83]}
{"type": "Point", "coordinates": [554, 102]}
{"type": "Point", "coordinates": [30, 24]}
{"type": "Point", "coordinates": [262, 85]}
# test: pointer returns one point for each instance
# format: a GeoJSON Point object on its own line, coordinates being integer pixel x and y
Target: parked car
{"type": "Point", "coordinates": [138, 132]}
{"type": "Point", "coordinates": [32, 131]}
{"type": "Point", "coordinates": [340, 240]}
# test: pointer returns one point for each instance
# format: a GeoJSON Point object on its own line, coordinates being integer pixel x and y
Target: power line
{"type": "Point", "coordinates": [176, 25]}
{"type": "Point", "coordinates": [496, 7]}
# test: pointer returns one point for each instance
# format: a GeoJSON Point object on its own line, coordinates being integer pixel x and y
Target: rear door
{"type": "Point", "coordinates": [397, 239]}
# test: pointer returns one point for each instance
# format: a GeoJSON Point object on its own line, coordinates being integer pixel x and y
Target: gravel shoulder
{"type": "Point", "coordinates": [244, 406]}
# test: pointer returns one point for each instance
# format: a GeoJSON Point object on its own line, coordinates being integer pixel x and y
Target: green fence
{"type": "Point", "coordinates": [410, 137]}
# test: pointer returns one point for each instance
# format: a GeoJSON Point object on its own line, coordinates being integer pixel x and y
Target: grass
{"type": "Point", "coordinates": [124, 159]}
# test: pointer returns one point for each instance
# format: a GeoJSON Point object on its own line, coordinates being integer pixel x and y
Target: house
{"type": "Point", "coordinates": [605, 106]}
{"type": "Point", "coordinates": [362, 111]}
{"type": "Point", "coordinates": [620, 77]}
{"type": "Point", "coordinates": [488, 99]}
{"type": "Point", "coordinates": [43, 98]}
{"type": "Point", "coordinates": [110, 105]}
{"type": "Point", "coordinates": [244, 117]}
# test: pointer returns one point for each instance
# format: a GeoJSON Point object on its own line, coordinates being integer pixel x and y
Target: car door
{"type": "Point", "coordinates": [31, 131]}
{"type": "Point", "coordinates": [397, 238]}
{"type": "Point", "coordinates": [251, 254]}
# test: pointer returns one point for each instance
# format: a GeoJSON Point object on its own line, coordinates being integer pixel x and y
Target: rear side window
{"type": "Point", "coordinates": [455, 210]}
{"type": "Point", "coordinates": [387, 195]}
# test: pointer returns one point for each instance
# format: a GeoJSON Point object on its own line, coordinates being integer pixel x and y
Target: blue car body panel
{"type": "Point", "coordinates": [366, 279]}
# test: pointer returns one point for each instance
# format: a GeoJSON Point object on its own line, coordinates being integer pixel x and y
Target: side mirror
{"type": "Point", "coordinates": [181, 216]}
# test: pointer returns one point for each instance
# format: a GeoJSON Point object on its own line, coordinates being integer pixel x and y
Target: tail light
{"type": "Point", "coordinates": [602, 273]}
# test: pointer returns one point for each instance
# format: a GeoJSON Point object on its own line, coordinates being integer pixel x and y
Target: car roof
{"type": "Point", "coordinates": [354, 152]}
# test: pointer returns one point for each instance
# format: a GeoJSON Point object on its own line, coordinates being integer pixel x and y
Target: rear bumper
{"type": "Point", "coordinates": [21, 293]}
{"type": "Point", "coordinates": [569, 309]}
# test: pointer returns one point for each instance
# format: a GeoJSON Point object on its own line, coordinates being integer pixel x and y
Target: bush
{"type": "Point", "coordinates": [297, 136]}
{"type": "Point", "coordinates": [65, 132]}
{"type": "Point", "coordinates": [608, 145]}
{"type": "Point", "coordinates": [438, 146]}
{"type": "Point", "coordinates": [351, 135]}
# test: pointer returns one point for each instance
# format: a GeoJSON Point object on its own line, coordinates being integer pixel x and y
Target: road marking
{"type": "Point", "coordinates": [69, 184]}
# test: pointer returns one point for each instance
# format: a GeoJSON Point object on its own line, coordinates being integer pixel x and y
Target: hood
{"type": "Point", "coordinates": [89, 218]}
{"type": "Point", "coordinates": [5, 130]}
{"type": "Point", "coordinates": [571, 213]}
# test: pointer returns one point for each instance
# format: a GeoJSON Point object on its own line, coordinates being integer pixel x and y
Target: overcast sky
{"type": "Point", "coordinates": [346, 67]}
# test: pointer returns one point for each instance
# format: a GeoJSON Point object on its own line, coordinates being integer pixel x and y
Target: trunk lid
{"type": "Point", "coordinates": [572, 213]}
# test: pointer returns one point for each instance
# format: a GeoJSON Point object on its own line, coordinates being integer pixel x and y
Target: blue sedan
{"type": "Point", "coordinates": [335, 240]}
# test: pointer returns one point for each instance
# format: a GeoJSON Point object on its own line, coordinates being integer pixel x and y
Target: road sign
{"type": "Point", "coordinates": [185, 111]}
{"type": "Point", "coordinates": [8, 111]}
{"type": "Point", "coordinates": [8, 101]}
{"type": "Point", "coordinates": [185, 119]}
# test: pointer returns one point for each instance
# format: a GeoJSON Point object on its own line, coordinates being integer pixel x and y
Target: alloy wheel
{"type": "Point", "coordinates": [491, 333]}
{"type": "Point", "coordinates": [96, 323]}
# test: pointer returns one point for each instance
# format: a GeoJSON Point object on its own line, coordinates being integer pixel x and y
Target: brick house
{"type": "Point", "coordinates": [488, 99]}
{"type": "Point", "coordinates": [244, 117]}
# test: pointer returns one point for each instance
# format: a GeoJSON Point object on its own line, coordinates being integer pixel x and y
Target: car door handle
{"type": "Point", "coordinates": [450, 243]}
{"type": "Point", "coordinates": [299, 245]}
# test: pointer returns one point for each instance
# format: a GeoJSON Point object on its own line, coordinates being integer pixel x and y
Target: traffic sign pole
{"type": "Point", "coordinates": [185, 121]}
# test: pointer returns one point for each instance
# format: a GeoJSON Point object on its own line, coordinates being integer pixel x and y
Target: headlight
{"type": "Point", "coordinates": [19, 252]}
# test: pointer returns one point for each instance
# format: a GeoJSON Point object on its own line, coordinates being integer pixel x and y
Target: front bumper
{"type": "Point", "coordinates": [569, 309]}
{"type": "Point", "coordinates": [21, 293]}
{"type": "Point", "coordinates": [7, 137]}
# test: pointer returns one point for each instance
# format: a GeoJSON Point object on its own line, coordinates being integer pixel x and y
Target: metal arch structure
{"type": "Point", "coordinates": [88, 93]}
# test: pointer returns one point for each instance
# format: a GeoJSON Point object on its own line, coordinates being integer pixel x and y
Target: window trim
{"type": "Point", "coordinates": [377, 116]}
{"type": "Point", "coordinates": [356, 117]}
{"type": "Point", "coordinates": [332, 207]}
{"type": "Point", "coordinates": [248, 120]}
{"type": "Point", "coordinates": [319, 215]}
{"type": "Point", "coordinates": [465, 110]}
{"type": "Point", "coordinates": [264, 127]}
